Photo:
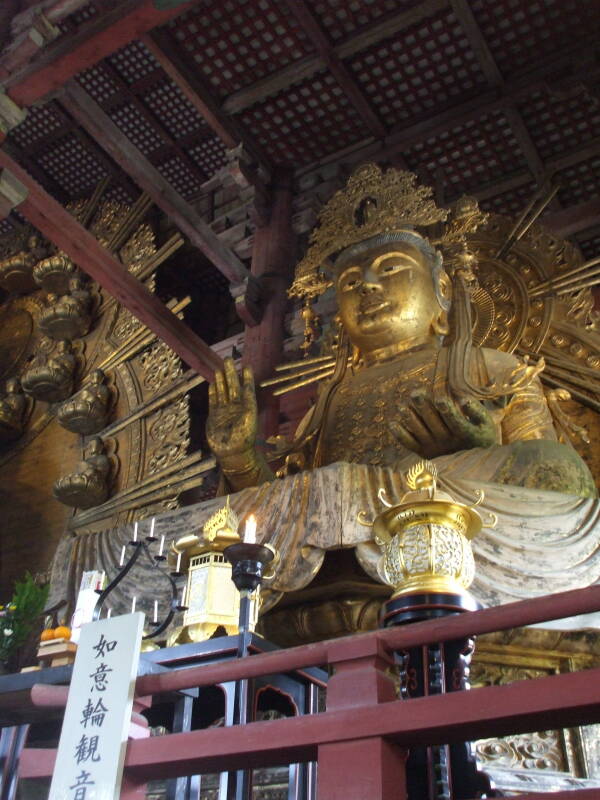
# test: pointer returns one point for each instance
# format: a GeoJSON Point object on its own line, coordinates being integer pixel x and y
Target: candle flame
{"type": "Point", "coordinates": [250, 530]}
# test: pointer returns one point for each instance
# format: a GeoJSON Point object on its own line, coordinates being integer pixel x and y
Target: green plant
{"type": "Point", "coordinates": [20, 615]}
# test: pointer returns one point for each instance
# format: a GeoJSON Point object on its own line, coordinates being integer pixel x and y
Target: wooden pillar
{"type": "Point", "coordinates": [272, 265]}
{"type": "Point", "coordinates": [361, 768]}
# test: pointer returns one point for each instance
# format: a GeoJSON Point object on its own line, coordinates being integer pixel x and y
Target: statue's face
{"type": "Point", "coordinates": [386, 296]}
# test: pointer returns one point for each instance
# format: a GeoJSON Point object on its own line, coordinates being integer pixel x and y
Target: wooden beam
{"type": "Point", "coordinates": [99, 125]}
{"type": "Point", "coordinates": [59, 62]}
{"type": "Point", "coordinates": [574, 219]}
{"type": "Point", "coordinates": [57, 225]}
{"type": "Point", "coordinates": [305, 67]}
{"type": "Point", "coordinates": [334, 63]}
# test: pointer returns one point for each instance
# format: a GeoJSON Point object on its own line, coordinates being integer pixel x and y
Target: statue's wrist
{"type": "Point", "coordinates": [240, 464]}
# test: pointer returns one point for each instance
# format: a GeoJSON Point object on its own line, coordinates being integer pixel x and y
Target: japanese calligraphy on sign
{"type": "Point", "coordinates": [92, 745]}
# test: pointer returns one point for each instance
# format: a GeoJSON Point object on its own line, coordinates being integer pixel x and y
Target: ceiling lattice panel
{"type": "Point", "coordinates": [510, 203]}
{"type": "Point", "coordinates": [523, 33]}
{"type": "Point", "coordinates": [580, 182]}
{"type": "Point", "coordinates": [306, 122]}
{"type": "Point", "coordinates": [72, 166]}
{"type": "Point", "coordinates": [420, 70]}
{"type": "Point", "coordinates": [470, 155]}
{"type": "Point", "coordinates": [236, 42]}
{"type": "Point", "coordinates": [154, 114]}
{"type": "Point", "coordinates": [342, 18]}
{"type": "Point", "coordinates": [590, 248]}
{"type": "Point", "coordinates": [39, 124]}
{"type": "Point", "coordinates": [559, 125]}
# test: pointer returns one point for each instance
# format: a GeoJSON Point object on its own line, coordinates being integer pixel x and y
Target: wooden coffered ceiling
{"type": "Point", "coordinates": [493, 98]}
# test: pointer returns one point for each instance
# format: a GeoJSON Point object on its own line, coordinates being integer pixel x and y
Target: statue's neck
{"type": "Point", "coordinates": [406, 346]}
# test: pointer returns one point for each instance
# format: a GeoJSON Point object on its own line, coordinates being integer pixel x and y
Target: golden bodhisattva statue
{"type": "Point", "coordinates": [408, 381]}
{"type": "Point", "coordinates": [87, 411]}
{"type": "Point", "coordinates": [87, 486]}
{"type": "Point", "coordinates": [12, 411]}
{"type": "Point", "coordinates": [51, 376]}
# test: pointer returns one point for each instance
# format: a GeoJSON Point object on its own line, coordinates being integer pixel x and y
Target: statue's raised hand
{"type": "Point", "coordinates": [434, 427]}
{"type": "Point", "coordinates": [232, 418]}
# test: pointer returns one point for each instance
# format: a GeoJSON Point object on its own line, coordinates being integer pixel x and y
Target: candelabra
{"type": "Point", "coordinates": [142, 546]}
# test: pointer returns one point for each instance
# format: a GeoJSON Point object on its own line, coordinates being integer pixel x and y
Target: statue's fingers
{"type": "Point", "coordinates": [232, 380]}
{"type": "Point", "coordinates": [433, 420]}
{"type": "Point", "coordinates": [222, 396]}
{"type": "Point", "coordinates": [475, 412]}
{"type": "Point", "coordinates": [403, 436]}
{"type": "Point", "coordinates": [212, 397]}
{"type": "Point", "coordinates": [248, 391]}
{"type": "Point", "coordinates": [452, 415]}
{"type": "Point", "coordinates": [417, 427]}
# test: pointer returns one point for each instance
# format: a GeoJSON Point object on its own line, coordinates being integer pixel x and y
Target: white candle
{"type": "Point", "coordinates": [250, 530]}
{"type": "Point", "coordinates": [135, 529]}
{"type": "Point", "coordinates": [178, 568]}
{"type": "Point", "coordinates": [122, 561]}
{"type": "Point", "coordinates": [162, 545]}
{"type": "Point", "coordinates": [133, 604]}
{"type": "Point", "coordinates": [155, 618]}
{"type": "Point", "coordinates": [152, 526]}
{"type": "Point", "coordinates": [108, 613]}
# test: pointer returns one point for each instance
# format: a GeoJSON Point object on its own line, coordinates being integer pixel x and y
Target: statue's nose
{"type": "Point", "coordinates": [370, 281]}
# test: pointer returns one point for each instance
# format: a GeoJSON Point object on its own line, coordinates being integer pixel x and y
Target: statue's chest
{"type": "Point", "coordinates": [357, 428]}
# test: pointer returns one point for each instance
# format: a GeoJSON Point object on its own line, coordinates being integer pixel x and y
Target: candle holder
{"type": "Point", "coordinates": [248, 562]}
{"type": "Point", "coordinates": [141, 546]}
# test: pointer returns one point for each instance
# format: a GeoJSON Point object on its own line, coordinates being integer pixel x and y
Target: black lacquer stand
{"type": "Point", "coordinates": [440, 772]}
{"type": "Point", "coordinates": [248, 563]}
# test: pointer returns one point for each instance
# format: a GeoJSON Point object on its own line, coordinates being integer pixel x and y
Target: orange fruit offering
{"type": "Point", "coordinates": [47, 635]}
{"type": "Point", "coordinates": [62, 632]}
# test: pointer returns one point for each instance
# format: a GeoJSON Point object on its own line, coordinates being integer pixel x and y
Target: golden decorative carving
{"type": "Point", "coordinates": [16, 269]}
{"type": "Point", "coordinates": [68, 316]}
{"type": "Point", "coordinates": [13, 408]}
{"type": "Point", "coordinates": [373, 202]}
{"type": "Point", "coordinates": [52, 374]}
{"type": "Point", "coordinates": [54, 273]}
{"type": "Point", "coordinates": [88, 485]}
{"type": "Point", "coordinates": [87, 411]}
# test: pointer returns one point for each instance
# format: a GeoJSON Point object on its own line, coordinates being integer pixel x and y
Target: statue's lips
{"type": "Point", "coordinates": [373, 306]}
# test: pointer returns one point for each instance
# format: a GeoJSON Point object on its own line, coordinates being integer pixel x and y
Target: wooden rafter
{"type": "Point", "coordinates": [300, 70]}
{"type": "Point", "coordinates": [336, 66]}
{"type": "Point", "coordinates": [57, 225]}
{"type": "Point", "coordinates": [61, 61]}
{"type": "Point", "coordinates": [99, 125]}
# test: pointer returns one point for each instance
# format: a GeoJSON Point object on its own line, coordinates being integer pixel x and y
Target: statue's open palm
{"type": "Point", "coordinates": [232, 418]}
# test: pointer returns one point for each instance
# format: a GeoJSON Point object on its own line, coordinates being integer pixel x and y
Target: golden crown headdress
{"type": "Point", "coordinates": [372, 202]}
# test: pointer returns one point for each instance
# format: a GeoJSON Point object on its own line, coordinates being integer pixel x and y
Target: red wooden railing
{"type": "Point", "coordinates": [361, 740]}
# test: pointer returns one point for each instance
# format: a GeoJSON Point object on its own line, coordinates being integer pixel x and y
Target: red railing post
{"type": "Point", "coordinates": [361, 768]}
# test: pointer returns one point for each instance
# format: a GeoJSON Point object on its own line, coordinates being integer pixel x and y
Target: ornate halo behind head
{"type": "Point", "coordinates": [373, 203]}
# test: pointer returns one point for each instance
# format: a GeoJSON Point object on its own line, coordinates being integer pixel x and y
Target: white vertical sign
{"type": "Point", "coordinates": [91, 750]}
